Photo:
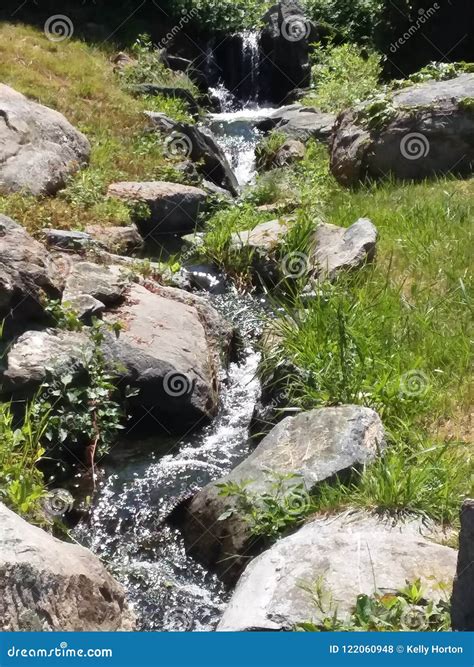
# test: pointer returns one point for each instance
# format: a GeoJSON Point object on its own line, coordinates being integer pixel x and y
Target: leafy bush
{"type": "Point", "coordinates": [222, 15]}
{"type": "Point", "coordinates": [353, 20]}
{"type": "Point", "coordinates": [342, 77]}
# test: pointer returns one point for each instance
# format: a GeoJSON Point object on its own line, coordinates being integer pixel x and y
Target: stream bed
{"type": "Point", "coordinates": [143, 478]}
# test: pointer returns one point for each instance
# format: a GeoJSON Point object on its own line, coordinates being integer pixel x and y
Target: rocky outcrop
{"type": "Point", "coordinates": [49, 585]}
{"type": "Point", "coordinates": [39, 148]}
{"type": "Point", "coordinates": [198, 146]}
{"type": "Point", "coordinates": [462, 602]}
{"type": "Point", "coordinates": [28, 275]}
{"type": "Point", "coordinates": [339, 249]}
{"type": "Point", "coordinates": [343, 556]}
{"type": "Point", "coordinates": [427, 130]}
{"type": "Point", "coordinates": [284, 43]}
{"type": "Point", "coordinates": [300, 123]}
{"type": "Point", "coordinates": [171, 349]}
{"type": "Point", "coordinates": [161, 208]}
{"type": "Point", "coordinates": [313, 446]}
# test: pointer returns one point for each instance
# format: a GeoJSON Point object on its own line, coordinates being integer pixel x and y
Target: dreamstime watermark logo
{"type": "Point", "coordinates": [178, 384]}
{"type": "Point", "coordinates": [59, 264]}
{"type": "Point", "coordinates": [58, 502]}
{"type": "Point", "coordinates": [424, 15]}
{"type": "Point", "coordinates": [415, 383]}
{"type": "Point", "coordinates": [178, 619]}
{"type": "Point", "coordinates": [414, 146]}
{"type": "Point", "coordinates": [296, 501]}
{"type": "Point", "coordinates": [295, 28]}
{"type": "Point", "coordinates": [414, 618]}
{"type": "Point", "coordinates": [178, 145]}
{"type": "Point", "coordinates": [177, 28]}
{"type": "Point", "coordinates": [295, 265]}
{"type": "Point", "coordinates": [58, 28]}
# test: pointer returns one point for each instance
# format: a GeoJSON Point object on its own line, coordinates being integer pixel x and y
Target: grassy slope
{"type": "Point", "coordinates": [78, 80]}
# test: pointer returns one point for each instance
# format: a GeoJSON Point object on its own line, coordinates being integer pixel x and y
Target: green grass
{"type": "Point", "coordinates": [78, 80]}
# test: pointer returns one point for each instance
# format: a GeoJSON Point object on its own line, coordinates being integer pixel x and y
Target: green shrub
{"type": "Point", "coordinates": [353, 20]}
{"type": "Point", "coordinates": [341, 77]}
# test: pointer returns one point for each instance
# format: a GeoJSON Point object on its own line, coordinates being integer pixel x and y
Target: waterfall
{"type": "Point", "coordinates": [233, 68]}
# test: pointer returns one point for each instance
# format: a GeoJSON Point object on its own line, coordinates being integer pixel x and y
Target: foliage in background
{"type": "Point", "coordinates": [342, 76]}
{"type": "Point", "coordinates": [352, 20]}
{"type": "Point", "coordinates": [222, 15]}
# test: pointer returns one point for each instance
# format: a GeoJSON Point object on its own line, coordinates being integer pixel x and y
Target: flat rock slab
{"type": "Point", "coordinates": [28, 274]}
{"type": "Point", "coordinates": [345, 556]}
{"type": "Point", "coordinates": [119, 240]}
{"type": "Point", "coordinates": [338, 249]}
{"type": "Point", "coordinates": [429, 131]}
{"type": "Point", "coordinates": [46, 584]}
{"type": "Point", "coordinates": [300, 123]}
{"type": "Point", "coordinates": [39, 148]}
{"type": "Point", "coordinates": [313, 446]}
{"type": "Point", "coordinates": [172, 208]}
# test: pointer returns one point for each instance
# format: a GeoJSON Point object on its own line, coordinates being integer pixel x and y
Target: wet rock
{"type": "Point", "coordinates": [120, 240]}
{"type": "Point", "coordinates": [163, 208]}
{"type": "Point", "coordinates": [462, 602]}
{"type": "Point", "coordinates": [345, 556]}
{"type": "Point", "coordinates": [284, 43]}
{"type": "Point", "coordinates": [94, 280]}
{"type": "Point", "coordinates": [429, 130]}
{"type": "Point", "coordinates": [198, 146]}
{"type": "Point", "coordinates": [338, 249]}
{"type": "Point", "coordinates": [174, 92]}
{"type": "Point", "coordinates": [39, 148]}
{"type": "Point", "coordinates": [300, 123]}
{"type": "Point", "coordinates": [49, 585]}
{"type": "Point", "coordinates": [314, 446]}
{"type": "Point", "coordinates": [28, 275]}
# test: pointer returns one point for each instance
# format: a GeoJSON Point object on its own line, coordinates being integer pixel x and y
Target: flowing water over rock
{"type": "Point", "coordinates": [127, 526]}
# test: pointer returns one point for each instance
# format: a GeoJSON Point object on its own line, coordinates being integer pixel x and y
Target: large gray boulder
{"type": "Point", "coordinates": [462, 602]}
{"type": "Point", "coordinates": [172, 348]}
{"type": "Point", "coordinates": [342, 557]}
{"type": "Point", "coordinates": [300, 123]}
{"type": "Point", "coordinates": [428, 130]}
{"type": "Point", "coordinates": [98, 281]}
{"type": "Point", "coordinates": [39, 148]}
{"type": "Point", "coordinates": [28, 275]}
{"type": "Point", "coordinates": [162, 208]}
{"type": "Point", "coordinates": [313, 446]}
{"type": "Point", "coordinates": [49, 585]}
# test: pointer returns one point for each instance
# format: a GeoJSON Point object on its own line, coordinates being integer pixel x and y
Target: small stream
{"type": "Point", "coordinates": [143, 478]}
{"type": "Point", "coordinates": [167, 588]}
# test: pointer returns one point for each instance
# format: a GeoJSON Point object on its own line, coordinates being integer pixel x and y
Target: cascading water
{"type": "Point", "coordinates": [167, 588]}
